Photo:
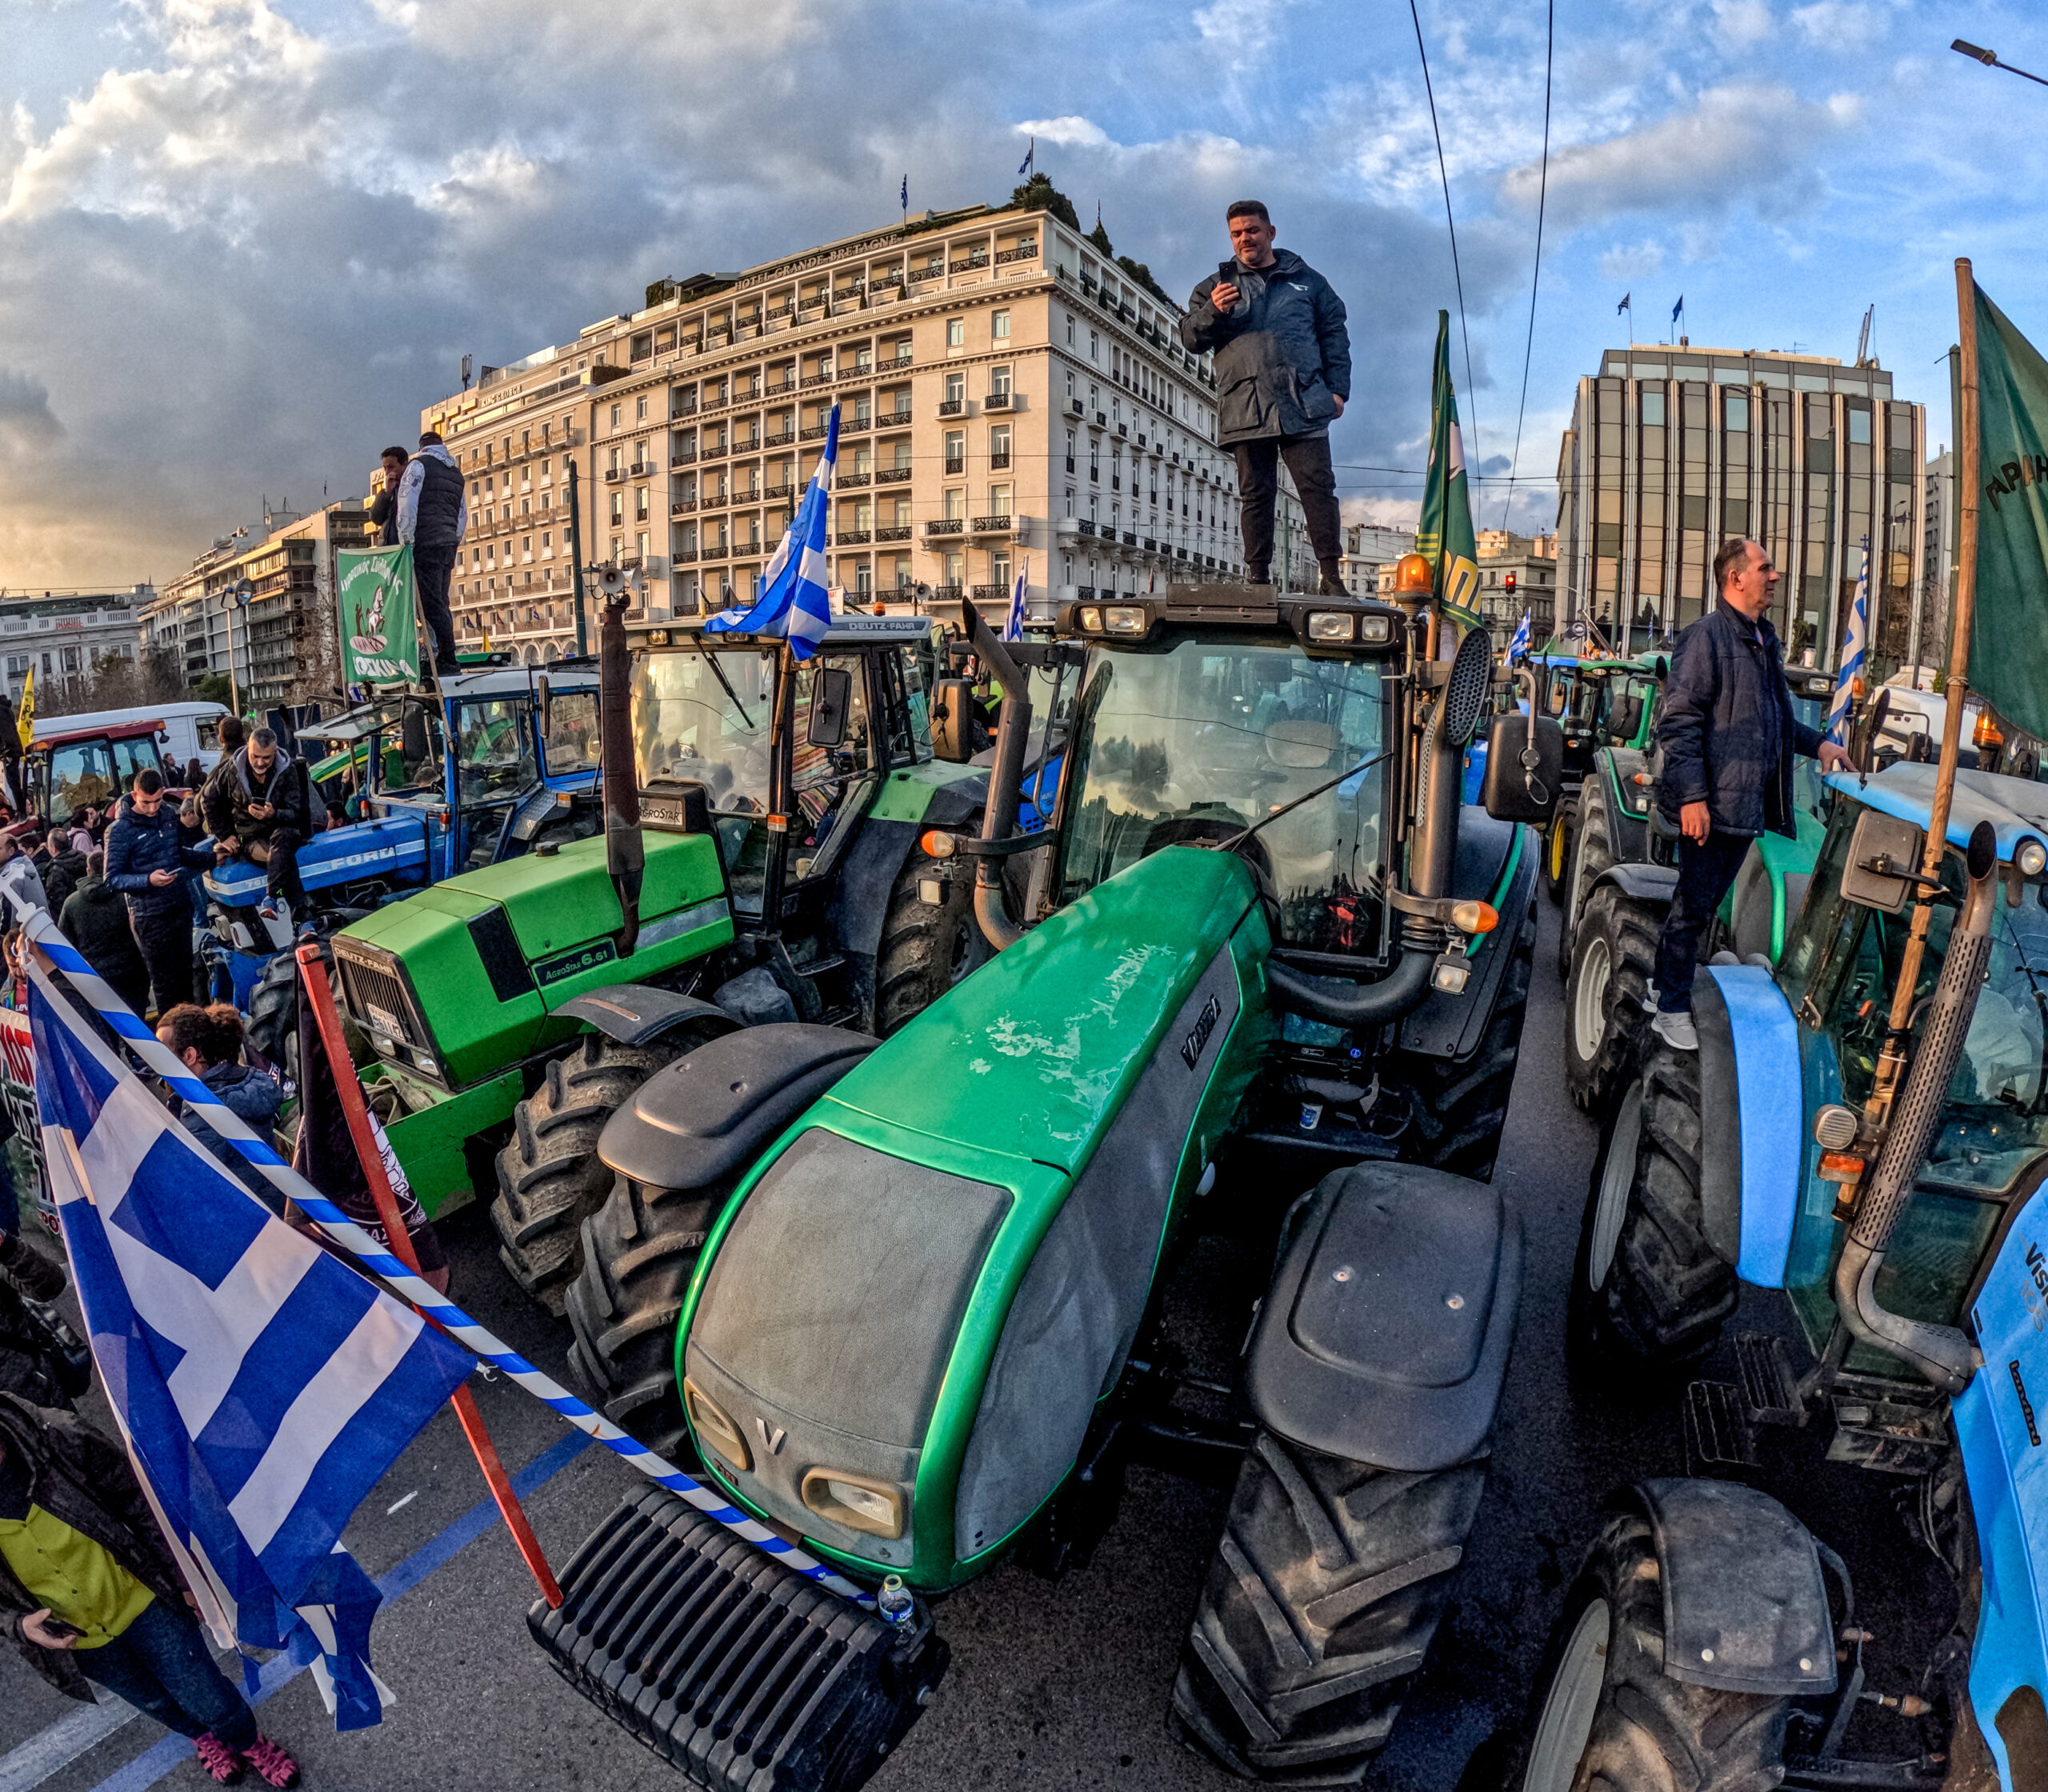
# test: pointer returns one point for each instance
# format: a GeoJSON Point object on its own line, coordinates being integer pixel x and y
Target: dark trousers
{"type": "Point", "coordinates": [162, 1665]}
{"type": "Point", "coordinates": [164, 936]}
{"type": "Point", "coordinates": [1706, 873]}
{"type": "Point", "coordinates": [434, 567]}
{"type": "Point", "coordinates": [277, 853]}
{"type": "Point", "coordinates": [1258, 488]}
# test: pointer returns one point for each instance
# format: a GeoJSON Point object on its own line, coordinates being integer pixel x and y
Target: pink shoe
{"type": "Point", "coordinates": [273, 1765]}
{"type": "Point", "coordinates": [220, 1762]}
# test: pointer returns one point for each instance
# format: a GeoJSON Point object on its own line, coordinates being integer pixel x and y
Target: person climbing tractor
{"type": "Point", "coordinates": [1728, 733]}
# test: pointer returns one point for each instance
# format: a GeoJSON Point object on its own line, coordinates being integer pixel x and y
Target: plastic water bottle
{"type": "Point", "coordinates": [893, 1604]}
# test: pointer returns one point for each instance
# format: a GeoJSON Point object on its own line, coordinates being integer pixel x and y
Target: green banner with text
{"type": "Point", "coordinates": [380, 641]}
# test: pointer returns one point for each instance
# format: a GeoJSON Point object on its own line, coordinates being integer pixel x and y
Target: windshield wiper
{"type": "Point", "coordinates": [1238, 840]}
{"type": "Point", "coordinates": [718, 672]}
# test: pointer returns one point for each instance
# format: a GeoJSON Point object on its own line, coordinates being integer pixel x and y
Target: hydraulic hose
{"type": "Point", "coordinates": [1007, 779]}
{"type": "Point", "coordinates": [1337, 1004]}
{"type": "Point", "coordinates": [1942, 1355]}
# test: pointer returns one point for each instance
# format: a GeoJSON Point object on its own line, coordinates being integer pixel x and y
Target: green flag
{"type": "Point", "coordinates": [2009, 633]}
{"type": "Point", "coordinates": [380, 642]}
{"type": "Point", "coordinates": [1444, 536]}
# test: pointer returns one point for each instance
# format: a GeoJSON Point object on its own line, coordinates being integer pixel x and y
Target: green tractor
{"type": "Point", "coordinates": [905, 1301]}
{"type": "Point", "coordinates": [1599, 703]}
{"type": "Point", "coordinates": [778, 804]}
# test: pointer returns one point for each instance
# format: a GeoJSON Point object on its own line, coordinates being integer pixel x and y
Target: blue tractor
{"type": "Point", "coordinates": [495, 762]}
{"type": "Point", "coordinates": [1889, 1179]}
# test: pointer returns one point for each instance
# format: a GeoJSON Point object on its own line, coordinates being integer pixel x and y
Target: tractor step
{"type": "Point", "coordinates": [1770, 1391]}
{"type": "Point", "coordinates": [1894, 1427]}
{"type": "Point", "coordinates": [737, 1671]}
{"type": "Point", "coordinates": [1719, 1438]}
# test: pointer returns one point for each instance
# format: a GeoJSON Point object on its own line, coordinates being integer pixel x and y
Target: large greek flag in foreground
{"type": "Point", "coordinates": [263, 1385]}
{"type": "Point", "coordinates": [793, 601]}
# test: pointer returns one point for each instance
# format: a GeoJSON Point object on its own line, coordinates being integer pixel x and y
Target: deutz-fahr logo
{"type": "Point", "coordinates": [1204, 1025]}
{"type": "Point", "coordinates": [571, 964]}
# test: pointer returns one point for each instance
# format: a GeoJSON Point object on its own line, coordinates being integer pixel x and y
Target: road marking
{"type": "Point", "coordinates": [53, 1750]}
{"type": "Point", "coordinates": [402, 1503]}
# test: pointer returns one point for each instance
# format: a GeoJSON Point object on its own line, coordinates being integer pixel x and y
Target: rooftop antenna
{"type": "Point", "coordinates": [468, 362]}
{"type": "Point", "coordinates": [1863, 338]}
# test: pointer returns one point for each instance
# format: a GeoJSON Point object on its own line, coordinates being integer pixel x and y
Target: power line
{"type": "Point", "coordinates": [1536, 273]}
{"type": "Point", "coordinates": [1456, 272]}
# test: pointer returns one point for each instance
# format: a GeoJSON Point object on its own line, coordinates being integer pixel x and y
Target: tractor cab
{"type": "Point", "coordinates": [67, 771]}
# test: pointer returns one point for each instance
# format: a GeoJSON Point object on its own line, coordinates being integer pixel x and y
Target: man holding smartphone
{"type": "Point", "coordinates": [1283, 374]}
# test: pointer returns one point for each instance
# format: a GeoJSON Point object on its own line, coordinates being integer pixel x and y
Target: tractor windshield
{"type": "Point", "coordinates": [1199, 739]}
{"type": "Point", "coordinates": [494, 748]}
{"type": "Point", "coordinates": [704, 714]}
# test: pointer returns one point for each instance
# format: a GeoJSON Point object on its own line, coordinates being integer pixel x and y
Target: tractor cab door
{"type": "Point", "coordinates": [571, 749]}
{"type": "Point", "coordinates": [496, 769]}
{"type": "Point", "coordinates": [834, 758]}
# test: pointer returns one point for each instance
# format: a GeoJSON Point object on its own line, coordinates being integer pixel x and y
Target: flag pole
{"type": "Point", "coordinates": [1891, 1060]}
{"type": "Point", "coordinates": [312, 972]}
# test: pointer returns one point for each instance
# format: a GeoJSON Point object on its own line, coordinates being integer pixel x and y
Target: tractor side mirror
{"type": "Point", "coordinates": [1627, 718]}
{"type": "Point", "coordinates": [831, 698]}
{"type": "Point", "coordinates": [1884, 860]}
{"type": "Point", "coordinates": [952, 720]}
{"type": "Point", "coordinates": [1525, 768]}
{"type": "Point", "coordinates": [547, 708]}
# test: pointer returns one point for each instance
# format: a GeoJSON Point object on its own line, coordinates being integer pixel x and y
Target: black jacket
{"type": "Point", "coordinates": [1282, 353]}
{"type": "Point", "coordinates": [76, 1475]}
{"type": "Point", "coordinates": [62, 873]}
{"type": "Point", "coordinates": [233, 786]}
{"type": "Point", "coordinates": [26, 1367]}
{"type": "Point", "coordinates": [1727, 727]}
{"type": "Point", "coordinates": [384, 514]}
{"type": "Point", "coordinates": [137, 844]}
{"type": "Point", "coordinates": [95, 920]}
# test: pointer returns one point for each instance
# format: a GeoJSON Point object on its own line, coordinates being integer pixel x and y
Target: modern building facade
{"type": "Point", "coordinates": [59, 634]}
{"type": "Point", "coordinates": [1937, 557]}
{"type": "Point", "coordinates": [1672, 450]}
{"type": "Point", "coordinates": [1010, 403]}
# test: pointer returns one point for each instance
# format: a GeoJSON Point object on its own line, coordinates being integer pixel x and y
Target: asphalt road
{"type": "Point", "coordinates": [1052, 1685]}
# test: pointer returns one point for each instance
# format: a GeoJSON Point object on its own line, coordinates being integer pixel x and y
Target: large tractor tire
{"type": "Point", "coordinates": [549, 1178]}
{"type": "Point", "coordinates": [1607, 994]}
{"type": "Point", "coordinates": [1592, 852]}
{"type": "Point", "coordinates": [926, 950]}
{"type": "Point", "coordinates": [1558, 849]}
{"type": "Point", "coordinates": [274, 1010]}
{"type": "Point", "coordinates": [1326, 1588]}
{"type": "Point", "coordinates": [1607, 1716]}
{"type": "Point", "coordinates": [1458, 1106]}
{"type": "Point", "coordinates": [1649, 1296]}
{"type": "Point", "coordinates": [639, 1250]}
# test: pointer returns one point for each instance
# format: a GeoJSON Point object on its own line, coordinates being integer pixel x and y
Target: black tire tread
{"type": "Point", "coordinates": [1631, 929]}
{"type": "Point", "coordinates": [1567, 818]}
{"type": "Point", "coordinates": [921, 944]}
{"type": "Point", "coordinates": [1592, 853]}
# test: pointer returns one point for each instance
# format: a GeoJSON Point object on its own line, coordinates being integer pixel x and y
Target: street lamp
{"type": "Point", "coordinates": [1990, 59]}
{"type": "Point", "coordinates": [245, 589]}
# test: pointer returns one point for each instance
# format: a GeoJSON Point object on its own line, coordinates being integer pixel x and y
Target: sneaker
{"type": "Point", "coordinates": [268, 912]}
{"type": "Point", "coordinates": [1677, 1031]}
{"type": "Point", "coordinates": [273, 1765]}
{"type": "Point", "coordinates": [222, 1765]}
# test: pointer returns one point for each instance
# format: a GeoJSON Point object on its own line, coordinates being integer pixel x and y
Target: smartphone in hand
{"type": "Point", "coordinates": [1226, 274]}
{"type": "Point", "coordinates": [56, 1626]}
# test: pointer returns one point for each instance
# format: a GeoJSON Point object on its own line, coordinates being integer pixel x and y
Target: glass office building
{"type": "Point", "coordinates": [1673, 450]}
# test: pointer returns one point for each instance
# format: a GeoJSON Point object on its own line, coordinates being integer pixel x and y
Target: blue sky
{"type": "Point", "coordinates": [241, 244]}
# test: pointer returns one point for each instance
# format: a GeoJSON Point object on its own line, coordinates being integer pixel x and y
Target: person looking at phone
{"type": "Point", "coordinates": [89, 1591]}
{"type": "Point", "coordinates": [1283, 375]}
{"type": "Point", "coordinates": [255, 809]}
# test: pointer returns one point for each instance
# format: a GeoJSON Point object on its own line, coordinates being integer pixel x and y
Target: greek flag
{"type": "Point", "coordinates": [793, 601]}
{"type": "Point", "coordinates": [262, 1386]}
{"type": "Point", "coordinates": [1517, 646]}
{"type": "Point", "coordinates": [1030, 158]}
{"type": "Point", "coordinates": [1853, 652]}
{"type": "Point", "coordinates": [1013, 624]}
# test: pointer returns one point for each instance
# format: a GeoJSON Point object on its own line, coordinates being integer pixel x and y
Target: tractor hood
{"type": "Point", "coordinates": [917, 1301]}
{"type": "Point", "coordinates": [2016, 807]}
{"type": "Point", "coordinates": [393, 848]}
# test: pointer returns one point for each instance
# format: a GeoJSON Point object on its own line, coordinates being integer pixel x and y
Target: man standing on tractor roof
{"type": "Point", "coordinates": [433, 516]}
{"type": "Point", "coordinates": [1728, 731]}
{"type": "Point", "coordinates": [1283, 374]}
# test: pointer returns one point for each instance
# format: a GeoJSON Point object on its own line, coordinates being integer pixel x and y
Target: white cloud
{"type": "Point", "coordinates": [1743, 21]}
{"type": "Point", "coordinates": [1841, 24]}
{"type": "Point", "coordinates": [1632, 261]}
{"type": "Point", "coordinates": [1242, 27]}
{"type": "Point", "coordinates": [1071, 132]}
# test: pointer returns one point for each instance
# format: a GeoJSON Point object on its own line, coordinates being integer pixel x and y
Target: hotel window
{"type": "Point", "coordinates": [956, 504]}
{"type": "Point", "coordinates": [999, 445]}
{"type": "Point", "coordinates": [640, 411]}
{"type": "Point", "coordinates": [999, 325]}
{"type": "Point", "coordinates": [956, 333]}
{"type": "Point", "coordinates": [998, 383]}
{"type": "Point", "coordinates": [999, 501]}
{"type": "Point", "coordinates": [617, 411]}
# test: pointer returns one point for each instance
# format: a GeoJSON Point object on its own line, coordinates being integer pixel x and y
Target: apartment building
{"type": "Point", "coordinates": [1010, 403]}
{"type": "Point", "coordinates": [58, 635]}
{"type": "Point", "coordinates": [1517, 575]}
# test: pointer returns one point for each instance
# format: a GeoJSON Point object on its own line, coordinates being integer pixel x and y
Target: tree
{"type": "Point", "coordinates": [118, 682]}
{"type": "Point", "coordinates": [1142, 275]}
{"type": "Point", "coordinates": [1039, 194]}
{"type": "Point", "coordinates": [1101, 238]}
{"type": "Point", "coordinates": [214, 688]}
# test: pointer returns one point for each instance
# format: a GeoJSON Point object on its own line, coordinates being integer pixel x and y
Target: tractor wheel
{"type": "Point", "coordinates": [1558, 849]}
{"type": "Point", "coordinates": [640, 1250]}
{"type": "Point", "coordinates": [548, 1178]}
{"type": "Point", "coordinates": [274, 1009]}
{"type": "Point", "coordinates": [1648, 1295]}
{"type": "Point", "coordinates": [1321, 1600]}
{"type": "Point", "coordinates": [1607, 994]}
{"type": "Point", "coordinates": [1458, 1106]}
{"type": "Point", "coordinates": [1607, 1715]}
{"type": "Point", "coordinates": [926, 950]}
{"type": "Point", "coordinates": [1592, 852]}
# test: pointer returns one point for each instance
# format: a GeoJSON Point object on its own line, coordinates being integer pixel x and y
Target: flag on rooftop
{"type": "Point", "coordinates": [2009, 629]}
{"type": "Point", "coordinates": [906, 194]}
{"type": "Point", "coordinates": [1678, 309]}
{"type": "Point", "coordinates": [792, 601]}
{"type": "Point", "coordinates": [1854, 648]}
{"type": "Point", "coordinates": [1030, 158]}
{"type": "Point", "coordinates": [1625, 305]}
{"type": "Point", "coordinates": [1444, 537]}
{"type": "Point", "coordinates": [262, 1386]}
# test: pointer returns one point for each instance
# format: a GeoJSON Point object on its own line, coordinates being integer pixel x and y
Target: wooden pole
{"type": "Point", "coordinates": [1891, 1061]}
{"type": "Point", "coordinates": [312, 976]}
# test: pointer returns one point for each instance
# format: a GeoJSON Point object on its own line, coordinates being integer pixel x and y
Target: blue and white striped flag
{"type": "Point", "coordinates": [1853, 651]}
{"type": "Point", "coordinates": [1030, 158]}
{"type": "Point", "coordinates": [793, 601]}
{"type": "Point", "coordinates": [1517, 646]}
{"type": "Point", "coordinates": [262, 1386]}
{"type": "Point", "coordinates": [1013, 624]}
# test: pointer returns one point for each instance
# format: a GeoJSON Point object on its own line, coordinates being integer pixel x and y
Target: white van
{"type": "Point", "coordinates": [186, 730]}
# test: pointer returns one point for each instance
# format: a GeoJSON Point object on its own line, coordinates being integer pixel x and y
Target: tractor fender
{"type": "Point", "coordinates": [1628, 802]}
{"type": "Point", "coordinates": [1752, 1120]}
{"type": "Point", "coordinates": [1499, 862]}
{"type": "Point", "coordinates": [1745, 1607]}
{"type": "Point", "coordinates": [1641, 883]}
{"type": "Point", "coordinates": [635, 1013]}
{"type": "Point", "coordinates": [868, 873]}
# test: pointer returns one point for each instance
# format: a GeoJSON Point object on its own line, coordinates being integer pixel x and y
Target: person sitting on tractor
{"type": "Point", "coordinates": [255, 811]}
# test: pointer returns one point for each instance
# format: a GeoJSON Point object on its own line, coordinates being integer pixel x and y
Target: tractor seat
{"type": "Point", "coordinates": [712, 1111]}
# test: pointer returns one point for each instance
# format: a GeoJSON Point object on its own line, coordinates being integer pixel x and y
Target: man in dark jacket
{"type": "Point", "coordinates": [433, 516]}
{"type": "Point", "coordinates": [145, 862]}
{"type": "Point", "coordinates": [1283, 374]}
{"type": "Point", "coordinates": [1728, 733]}
{"type": "Point", "coordinates": [61, 867]}
{"type": "Point", "coordinates": [384, 506]}
{"type": "Point", "coordinates": [95, 920]}
{"type": "Point", "coordinates": [255, 807]}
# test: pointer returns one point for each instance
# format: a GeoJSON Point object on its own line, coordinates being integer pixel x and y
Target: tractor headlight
{"type": "Point", "coordinates": [1330, 625]}
{"type": "Point", "coordinates": [1091, 619]}
{"type": "Point", "coordinates": [710, 1422]}
{"type": "Point", "coordinates": [1124, 618]}
{"type": "Point", "coordinates": [855, 1502]}
{"type": "Point", "coordinates": [2031, 858]}
{"type": "Point", "coordinates": [1375, 629]}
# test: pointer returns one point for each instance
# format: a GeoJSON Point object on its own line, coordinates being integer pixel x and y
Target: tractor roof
{"type": "Point", "coordinates": [1212, 609]}
{"type": "Point", "coordinates": [846, 631]}
{"type": "Point", "coordinates": [2016, 808]}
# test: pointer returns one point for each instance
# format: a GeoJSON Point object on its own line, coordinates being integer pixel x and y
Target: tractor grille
{"type": "Point", "coordinates": [376, 998]}
{"type": "Point", "coordinates": [738, 1671]}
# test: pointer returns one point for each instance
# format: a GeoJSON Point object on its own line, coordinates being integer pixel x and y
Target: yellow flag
{"type": "Point", "coordinates": [24, 710]}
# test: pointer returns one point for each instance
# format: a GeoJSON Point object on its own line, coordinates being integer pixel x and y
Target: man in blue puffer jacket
{"type": "Point", "coordinates": [145, 862]}
{"type": "Point", "coordinates": [1728, 732]}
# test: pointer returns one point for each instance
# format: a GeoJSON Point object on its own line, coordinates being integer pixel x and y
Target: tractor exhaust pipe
{"type": "Point", "coordinates": [1941, 1353]}
{"type": "Point", "coordinates": [625, 851]}
{"type": "Point", "coordinates": [1006, 783]}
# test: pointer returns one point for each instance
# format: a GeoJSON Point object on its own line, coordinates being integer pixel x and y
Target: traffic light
{"type": "Point", "coordinates": [1507, 583]}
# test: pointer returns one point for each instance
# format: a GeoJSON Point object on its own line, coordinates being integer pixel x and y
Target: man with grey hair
{"type": "Point", "coordinates": [255, 809]}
